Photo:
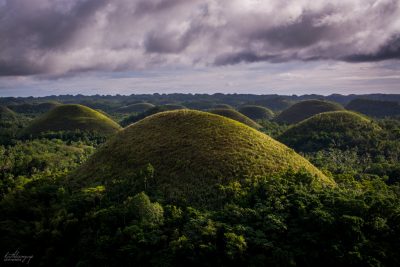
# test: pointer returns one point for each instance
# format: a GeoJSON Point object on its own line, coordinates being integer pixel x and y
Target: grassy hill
{"type": "Point", "coordinates": [235, 115]}
{"type": "Point", "coordinates": [137, 107]}
{"type": "Point", "coordinates": [192, 152]}
{"type": "Point", "coordinates": [305, 109]}
{"type": "Point", "coordinates": [157, 109]}
{"type": "Point", "coordinates": [256, 112]}
{"type": "Point", "coordinates": [72, 117]}
{"type": "Point", "coordinates": [375, 108]}
{"type": "Point", "coordinates": [7, 114]}
{"type": "Point", "coordinates": [339, 129]}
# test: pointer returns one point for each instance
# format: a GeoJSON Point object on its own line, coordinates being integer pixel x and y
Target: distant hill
{"type": "Point", "coordinates": [256, 112]}
{"type": "Point", "coordinates": [72, 117]}
{"type": "Point", "coordinates": [157, 109]}
{"type": "Point", "coordinates": [137, 108]}
{"type": "Point", "coordinates": [235, 115]}
{"type": "Point", "coordinates": [375, 108]}
{"type": "Point", "coordinates": [34, 108]}
{"type": "Point", "coordinates": [224, 106]}
{"type": "Point", "coordinates": [192, 153]}
{"type": "Point", "coordinates": [305, 109]}
{"type": "Point", "coordinates": [275, 103]}
{"type": "Point", "coordinates": [338, 129]}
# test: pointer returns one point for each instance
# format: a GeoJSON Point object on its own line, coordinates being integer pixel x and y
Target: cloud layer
{"type": "Point", "coordinates": [59, 37]}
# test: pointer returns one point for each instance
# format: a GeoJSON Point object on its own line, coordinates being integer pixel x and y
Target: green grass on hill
{"type": "Point", "coordinates": [70, 118]}
{"type": "Point", "coordinates": [235, 115]}
{"type": "Point", "coordinates": [338, 129]}
{"type": "Point", "coordinates": [306, 109]}
{"type": "Point", "coordinates": [256, 112]}
{"type": "Point", "coordinates": [137, 107]}
{"type": "Point", "coordinates": [192, 152]}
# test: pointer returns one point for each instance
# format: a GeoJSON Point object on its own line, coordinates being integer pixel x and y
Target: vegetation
{"type": "Point", "coordinates": [278, 220]}
{"type": "Point", "coordinates": [71, 118]}
{"type": "Point", "coordinates": [256, 112]}
{"type": "Point", "coordinates": [235, 115]}
{"type": "Point", "coordinates": [375, 108]}
{"type": "Point", "coordinates": [31, 159]}
{"type": "Point", "coordinates": [306, 109]}
{"type": "Point", "coordinates": [135, 108]}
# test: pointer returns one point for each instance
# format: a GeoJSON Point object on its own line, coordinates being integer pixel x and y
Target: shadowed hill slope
{"type": "Point", "coordinates": [256, 112]}
{"type": "Point", "coordinates": [305, 109]}
{"type": "Point", "coordinates": [339, 129]}
{"type": "Point", "coordinates": [235, 115]}
{"type": "Point", "coordinates": [70, 118]}
{"type": "Point", "coordinates": [192, 152]}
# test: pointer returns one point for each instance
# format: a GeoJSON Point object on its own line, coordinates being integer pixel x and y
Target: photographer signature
{"type": "Point", "coordinates": [16, 257]}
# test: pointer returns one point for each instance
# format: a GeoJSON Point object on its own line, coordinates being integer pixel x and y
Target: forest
{"type": "Point", "coordinates": [201, 180]}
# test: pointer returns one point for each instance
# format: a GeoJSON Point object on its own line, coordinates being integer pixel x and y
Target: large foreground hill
{"type": "Point", "coordinates": [192, 153]}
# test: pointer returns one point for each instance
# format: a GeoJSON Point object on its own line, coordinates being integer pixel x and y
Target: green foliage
{"type": "Point", "coordinates": [278, 220]}
{"type": "Point", "coordinates": [10, 125]}
{"type": "Point", "coordinates": [235, 115]}
{"type": "Point", "coordinates": [306, 109]}
{"type": "Point", "coordinates": [30, 160]}
{"type": "Point", "coordinates": [71, 118]}
{"type": "Point", "coordinates": [256, 112]}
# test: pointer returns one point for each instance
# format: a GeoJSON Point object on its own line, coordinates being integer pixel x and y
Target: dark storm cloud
{"type": "Point", "coordinates": [391, 50]}
{"type": "Point", "coordinates": [55, 37]}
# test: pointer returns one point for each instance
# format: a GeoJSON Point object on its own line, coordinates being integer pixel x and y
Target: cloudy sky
{"type": "Point", "coordinates": [199, 46]}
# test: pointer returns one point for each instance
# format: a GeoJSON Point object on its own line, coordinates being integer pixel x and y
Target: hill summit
{"type": "Point", "coordinates": [306, 109]}
{"type": "Point", "coordinates": [70, 118]}
{"type": "Point", "coordinates": [192, 152]}
{"type": "Point", "coordinates": [256, 112]}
